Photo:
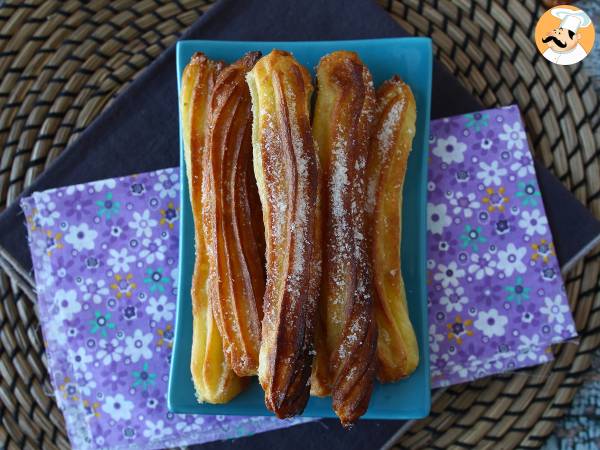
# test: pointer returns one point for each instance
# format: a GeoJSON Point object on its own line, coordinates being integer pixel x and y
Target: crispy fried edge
{"type": "Point", "coordinates": [286, 349]}
{"type": "Point", "coordinates": [214, 380]}
{"type": "Point", "coordinates": [236, 279]}
{"type": "Point", "coordinates": [345, 104]}
{"type": "Point", "coordinates": [397, 348]}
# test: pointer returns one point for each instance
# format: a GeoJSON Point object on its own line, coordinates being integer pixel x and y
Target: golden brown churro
{"type": "Point", "coordinates": [236, 279]}
{"type": "Point", "coordinates": [214, 380]}
{"type": "Point", "coordinates": [286, 170]}
{"type": "Point", "coordinates": [397, 349]}
{"type": "Point", "coordinates": [319, 217]}
{"type": "Point", "coordinates": [342, 124]}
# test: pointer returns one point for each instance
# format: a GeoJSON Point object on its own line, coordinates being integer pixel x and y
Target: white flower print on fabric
{"type": "Point", "coordinates": [491, 323]}
{"type": "Point", "coordinates": [438, 362]}
{"type": "Point", "coordinates": [533, 222]}
{"type": "Point", "coordinates": [481, 265]}
{"type": "Point", "coordinates": [138, 345]}
{"type": "Point", "coordinates": [437, 218]}
{"type": "Point", "coordinates": [492, 365]}
{"type": "Point", "coordinates": [160, 308]}
{"type": "Point", "coordinates": [80, 359]}
{"type": "Point", "coordinates": [449, 275]}
{"type": "Point", "coordinates": [463, 204]}
{"type": "Point", "coordinates": [472, 362]}
{"type": "Point", "coordinates": [47, 277]}
{"type": "Point", "coordinates": [450, 150]}
{"type": "Point", "coordinates": [56, 331]}
{"type": "Point", "coordinates": [81, 237]}
{"type": "Point", "coordinates": [491, 174]}
{"type": "Point", "coordinates": [157, 430]}
{"type": "Point", "coordinates": [555, 309]}
{"type": "Point", "coordinates": [47, 213]}
{"type": "Point", "coordinates": [86, 383]}
{"type": "Point", "coordinates": [38, 250]}
{"type": "Point", "coordinates": [514, 136]}
{"type": "Point", "coordinates": [175, 276]}
{"type": "Point", "coordinates": [528, 348]}
{"type": "Point", "coordinates": [142, 224]}
{"type": "Point", "coordinates": [118, 407]}
{"type": "Point", "coordinates": [67, 302]}
{"type": "Point", "coordinates": [510, 260]}
{"type": "Point", "coordinates": [562, 329]}
{"type": "Point", "coordinates": [79, 440]}
{"type": "Point", "coordinates": [167, 186]}
{"type": "Point", "coordinates": [459, 370]}
{"type": "Point", "coordinates": [119, 260]}
{"type": "Point", "coordinates": [454, 299]}
{"type": "Point", "coordinates": [70, 190]}
{"type": "Point", "coordinates": [523, 164]}
{"type": "Point", "coordinates": [185, 427]}
{"type": "Point", "coordinates": [110, 350]}
{"type": "Point", "coordinates": [101, 184]}
{"type": "Point", "coordinates": [154, 250]}
{"type": "Point", "coordinates": [434, 338]}
{"type": "Point", "coordinates": [94, 290]}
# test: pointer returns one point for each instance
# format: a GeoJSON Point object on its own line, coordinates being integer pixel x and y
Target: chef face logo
{"type": "Point", "coordinates": [561, 40]}
{"type": "Point", "coordinates": [564, 35]}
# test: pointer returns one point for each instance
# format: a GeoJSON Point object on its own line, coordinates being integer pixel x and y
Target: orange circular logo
{"type": "Point", "coordinates": [564, 35]}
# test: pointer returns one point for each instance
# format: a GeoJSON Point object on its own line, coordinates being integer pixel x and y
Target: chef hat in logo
{"type": "Point", "coordinates": [571, 20]}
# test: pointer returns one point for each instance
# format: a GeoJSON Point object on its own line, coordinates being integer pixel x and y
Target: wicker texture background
{"type": "Point", "coordinates": [62, 62]}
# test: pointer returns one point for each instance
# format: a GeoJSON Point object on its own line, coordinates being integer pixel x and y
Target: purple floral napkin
{"type": "Point", "coordinates": [105, 262]}
{"type": "Point", "coordinates": [496, 297]}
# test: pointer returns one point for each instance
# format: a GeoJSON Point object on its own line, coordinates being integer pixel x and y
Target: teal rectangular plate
{"type": "Point", "coordinates": [411, 58]}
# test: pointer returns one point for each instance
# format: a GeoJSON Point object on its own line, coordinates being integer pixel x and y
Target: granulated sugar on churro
{"type": "Point", "coordinates": [287, 176]}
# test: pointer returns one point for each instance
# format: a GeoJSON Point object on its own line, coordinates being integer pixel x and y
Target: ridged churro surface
{"type": "Point", "coordinates": [343, 119]}
{"type": "Point", "coordinates": [214, 380]}
{"type": "Point", "coordinates": [397, 349]}
{"type": "Point", "coordinates": [286, 170]}
{"type": "Point", "coordinates": [236, 277]}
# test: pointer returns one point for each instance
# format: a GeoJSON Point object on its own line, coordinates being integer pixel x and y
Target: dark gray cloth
{"type": "Point", "coordinates": [325, 434]}
{"type": "Point", "coordinates": [139, 132]}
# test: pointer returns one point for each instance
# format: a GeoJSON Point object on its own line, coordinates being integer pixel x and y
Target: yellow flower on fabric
{"type": "Point", "coordinates": [542, 251]}
{"type": "Point", "coordinates": [123, 285]}
{"type": "Point", "coordinates": [165, 336]}
{"type": "Point", "coordinates": [53, 241]}
{"type": "Point", "coordinates": [91, 408]}
{"type": "Point", "coordinates": [495, 199]}
{"type": "Point", "coordinates": [30, 218]}
{"type": "Point", "coordinates": [459, 328]}
{"type": "Point", "coordinates": [68, 389]}
{"type": "Point", "coordinates": [169, 215]}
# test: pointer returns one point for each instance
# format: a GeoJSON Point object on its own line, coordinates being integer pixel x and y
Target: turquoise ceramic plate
{"type": "Point", "coordinates": [410, 58]}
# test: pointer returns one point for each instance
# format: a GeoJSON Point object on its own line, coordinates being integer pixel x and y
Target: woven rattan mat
{"type": "Point", "coordinates": [62, 62]}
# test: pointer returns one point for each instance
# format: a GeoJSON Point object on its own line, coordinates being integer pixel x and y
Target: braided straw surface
{"type": "Point", "coordinates": [61, 63]}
